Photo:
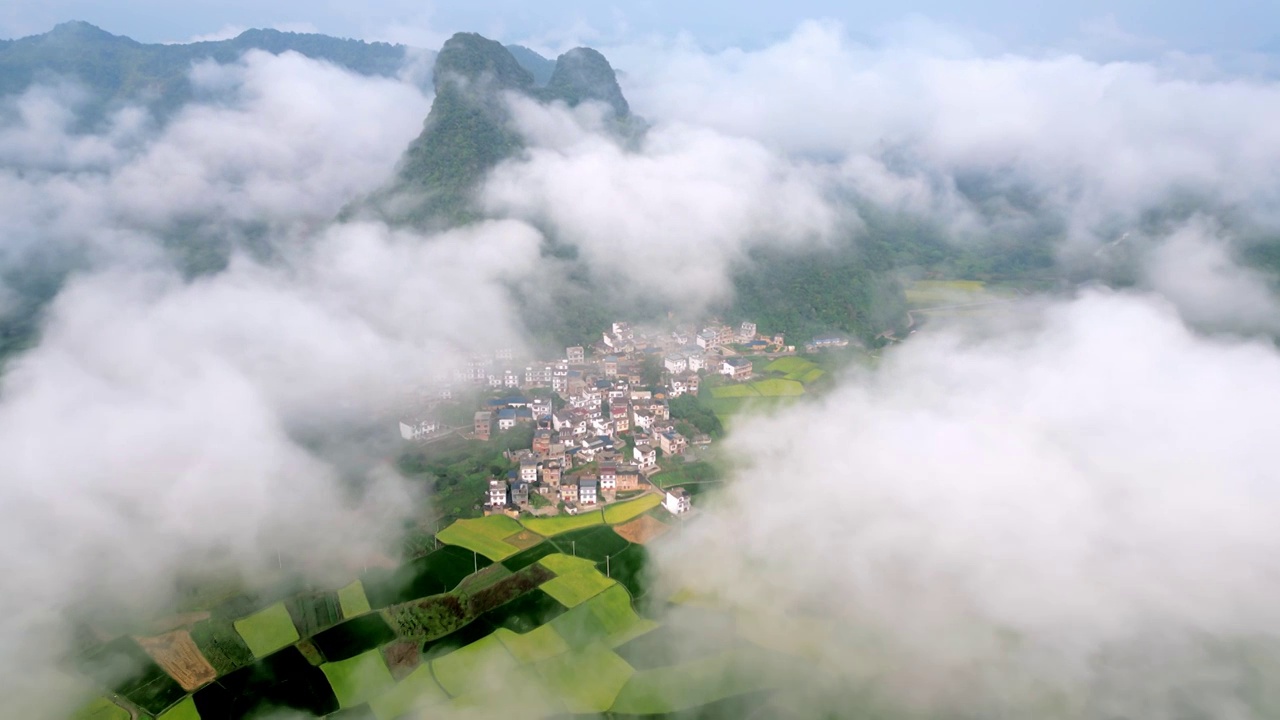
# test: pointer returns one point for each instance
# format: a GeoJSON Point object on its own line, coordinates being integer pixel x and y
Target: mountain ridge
{"type": "Point", "coordinates": [117, 70]}
{"type": "Point", "coordinates": [468, 131]}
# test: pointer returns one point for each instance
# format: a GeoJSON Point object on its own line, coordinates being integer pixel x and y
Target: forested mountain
{"type": "Point", "coordinates": [468, 131]}
{"type": "Point", "coordinates": [114, 69]}
{"type": "Point", "coordinates": [846, 288]}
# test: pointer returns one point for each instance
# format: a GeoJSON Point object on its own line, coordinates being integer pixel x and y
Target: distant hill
{"type": "Point", "coordinates": [537, 65]}
{"type": "Point", "coordinates": [116, 70]}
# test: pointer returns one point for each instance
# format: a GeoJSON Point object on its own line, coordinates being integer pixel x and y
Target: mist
{"type": "Point", "coordinates": [1007, 521]}
{"type": "Point", "coordinates": [1064, 510]}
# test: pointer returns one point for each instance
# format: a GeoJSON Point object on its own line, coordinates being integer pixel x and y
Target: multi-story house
{"type": "Point", "coordinates": [497, 493]}
{"type": "Point", "coordinates": [483, 425]}
{"type": "Point", "coordinates": [677, 501]}
{"type": "Point", "coordinates": [645, 456]}
{"type": "Point", "coordinates": [672, 443]}
{"type": "Point", "coordinates": [628, 478]}
{"type": "Point", "coordinates": [587, 491]}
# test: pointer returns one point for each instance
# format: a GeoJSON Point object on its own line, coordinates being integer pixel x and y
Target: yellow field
{"type": "Point", "coordinates": [483, 535]}
{"type": "Point", "coordinates": [624, 511]}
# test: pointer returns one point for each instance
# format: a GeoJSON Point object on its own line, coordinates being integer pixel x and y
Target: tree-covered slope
{"type": "Point", "coordinates": [465, 135]}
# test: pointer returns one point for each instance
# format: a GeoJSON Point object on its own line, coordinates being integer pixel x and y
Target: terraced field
{"type": "Point", "coordinates": [545, 626]}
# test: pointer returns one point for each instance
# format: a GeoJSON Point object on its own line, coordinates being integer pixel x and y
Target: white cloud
{"type": "Point", "coordinates": [1107, 138]}
{"type": "Point", "coordinates": [983, 521]}
{"type": "Point", "coordinates": [671, 216]}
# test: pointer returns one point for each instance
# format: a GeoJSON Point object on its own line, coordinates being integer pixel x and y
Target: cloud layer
{"type": "Point", "coordinates": [983, 522]}
{"type": "Point", "coordinates": [988, 523]}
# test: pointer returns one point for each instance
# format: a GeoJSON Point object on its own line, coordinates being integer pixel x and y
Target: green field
{"type": "Point", "coordinates": [358, 679]}
{"type": "Point", "coordinates": [795, 368]}
{"type": "Point", "coordinates": [417, 691]}
{"type": "Point", "coordinates": [562, 564]}
{"type": "Point", "coordinates": [483, 535]}
{"type": "Point", "coordinates": [767, 388]}
{"type": "Point", "coordinates": [608, 616]}
{"type": "Point", "coordinates": [104, 709]}
{"type": "Point", "coordinates": [268, 630]}
{"type": "Point", "coordinates": [778, 387]}
{"type": "Point", "coordinates": [353, 600]}
{"type": "Point", "coordinates": [564, 523]}
{"type": "Point", "coordinates": [788, 365]}
{"type": "Point", "coordinates": [538, 644]}
{"type": "Point", "coordinates": [631, 509]}
{"type": "Point", "coordinates": [745, 390]}
{"type": "Point", "coordinates": [809, 376]}
{"type": "Point", "coordinates": [185, 710]}
{"type": "Point", "coordinates": [726, 407]}
{"type": "Point", "coordinates": [480, 667]}
{"type": "Point", "coordinates": [587, 680]}
{"type": "Point", "coordinates": [573, 589]}
{"type": "Point", "coordinates": [687, 685]}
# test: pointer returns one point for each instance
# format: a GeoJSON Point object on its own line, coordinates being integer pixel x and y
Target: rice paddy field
{"type": "Point", "coordinates": [545, 625]}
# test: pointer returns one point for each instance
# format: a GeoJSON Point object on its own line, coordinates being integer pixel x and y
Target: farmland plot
{"type": "Point", "coordinates": [178, 655]}
{"type": "Point", "coordinates": [358, 679]}
{"type": "Point", "coordinates": [268, 630]}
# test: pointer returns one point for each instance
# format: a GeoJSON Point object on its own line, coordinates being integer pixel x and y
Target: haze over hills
{"type": "Point", "coordinates": [116, 70]}
{"type": "Point", "coordinates": [1039, 488]}
{"type": "Point", "coordinates": [471, 130]}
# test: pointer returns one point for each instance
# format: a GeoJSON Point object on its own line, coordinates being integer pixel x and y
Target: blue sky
{"type": "Point", "coordinates": [1224, 26]}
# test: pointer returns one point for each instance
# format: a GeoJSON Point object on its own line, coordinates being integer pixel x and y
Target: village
{"type": "Point", "coordinates": [600, 415]}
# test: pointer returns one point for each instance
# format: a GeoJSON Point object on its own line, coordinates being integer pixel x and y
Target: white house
{"type": "Point", "coordinates": [608, 477]}
{"type": "Point", "coordinates": [587, 494]}
{"type": "Point", "coordinates": [737, 368]}
{"type": "Point", "coordinates": [696, 361]}
{"type": "Point", "coordinates": [497, 493]}
{"type": "Point", "coordinates": [747, 332]}
{"type": "Point", "coordinates": [675, 364]}
{"type": "Point", "coordinates": [541, 407]}
{"type": "Point", "coordinates": [677, 501]}
{"type": "Point", "coordinates": [419, 429]}
{"type": "Point", "coordinates": [529, 470]}
{"type": "Point", "coordinates": [645, 455]}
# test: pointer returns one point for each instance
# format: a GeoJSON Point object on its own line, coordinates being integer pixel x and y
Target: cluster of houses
{"type": "Point", "coordinates": [603, 433]}
{"type": "Point", "coordinates": [604, 440]}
